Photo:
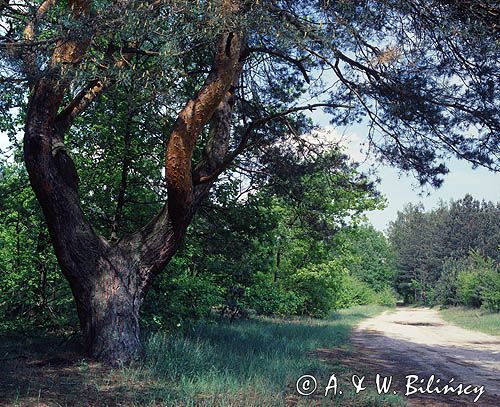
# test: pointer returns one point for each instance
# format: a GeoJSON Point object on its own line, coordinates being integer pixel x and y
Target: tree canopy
{"type": "Point", "coordinates": [424, 74]}
{"type": "Point", "coordinates": [428, 244]}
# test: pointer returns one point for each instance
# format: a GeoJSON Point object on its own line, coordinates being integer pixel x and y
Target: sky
{"type": "Point", "coordinates": [400, 189]}
{"type": "Point", "coordinates": [461, 180]}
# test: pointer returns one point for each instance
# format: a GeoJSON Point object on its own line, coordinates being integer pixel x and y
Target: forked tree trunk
{"type": "Point", "coordinates": [106, 280]}
{"type": "Point", "coordinates": [110, 279]}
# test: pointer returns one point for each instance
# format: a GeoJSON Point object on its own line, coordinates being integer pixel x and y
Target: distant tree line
{"type": "Point", "coordinates": [449, 255]}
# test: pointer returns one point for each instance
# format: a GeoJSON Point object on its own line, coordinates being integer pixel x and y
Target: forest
{"type": "Point", "coordinates": [175, 225]}
{"type": "Point", "coordinates": [266, 255]}
{"type": "Point", "coordinates": [448, 255]}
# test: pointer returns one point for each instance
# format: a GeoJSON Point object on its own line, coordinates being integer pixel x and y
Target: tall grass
{"type": "Point", "coordinates": [476, 319]}
{"type": "Point", "coordinates": [249, 363]}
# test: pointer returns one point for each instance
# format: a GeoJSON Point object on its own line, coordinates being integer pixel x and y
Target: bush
{"type": "Point", "coordinates": [468, 288]}
{"type": "Point", "coordinates": [266, 297]}
{"type": "Point", "coordinates": [478, 283]}
{"type": "Point", "coordinates": [355, 292]}
{"type": "Point", "coordinates": [386, 297]}
{"type": "Point", "coordinates": [490, 293]}
{"type": "Point", "coordinates": [179, 300]}
{"type": "Point", "coordinates": [472, 281]}
{"type": "Point", "coordinates": [319, 287]}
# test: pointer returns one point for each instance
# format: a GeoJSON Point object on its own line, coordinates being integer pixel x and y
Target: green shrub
{"type": "Point", "coordinates": [468, 288]}
{"type": "Point", "coordinates": [177, 301]}
{"type": "Point", "coordinates": [386, 297]}
{"type": "Point", "coordinates": [355, 292]}
{"type": "Point", "coordinates": [490, 293]}
{"type": "Point", "coordinates": [478, 284]}
{"type": "Point", "coordinates": [266, 297]}
{"type": "Point", "coordinates": [319, 287]}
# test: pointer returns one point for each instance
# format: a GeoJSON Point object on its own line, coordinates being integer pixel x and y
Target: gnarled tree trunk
{"type": "Point", "coordinates": [110, 279]}
{"type": "Point", "coordinates": [108, 310]}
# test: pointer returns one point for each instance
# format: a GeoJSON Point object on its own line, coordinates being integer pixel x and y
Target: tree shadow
{"type": "Point", "coordinates": [212, 358]}
{"type": "Point", "coordinates": [43, 371]}
{"type": "Point", "coordinates": [398, 358]}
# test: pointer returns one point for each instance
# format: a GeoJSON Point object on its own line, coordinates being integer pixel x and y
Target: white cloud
{"type": "Point", "coordinates": [351, 142]}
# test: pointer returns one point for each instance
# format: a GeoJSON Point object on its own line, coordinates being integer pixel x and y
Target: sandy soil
{"type": "Point", "coordinates": [417, 341]}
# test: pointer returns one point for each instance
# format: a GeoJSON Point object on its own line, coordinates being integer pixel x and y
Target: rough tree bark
{"type": "Point", "coordinates": [110, 279]}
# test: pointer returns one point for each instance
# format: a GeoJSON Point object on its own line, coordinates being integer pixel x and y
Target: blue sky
{"type": "Point", "coordinates": [462, 179]}
{"type": "Point", "coordinates": [400, 189]}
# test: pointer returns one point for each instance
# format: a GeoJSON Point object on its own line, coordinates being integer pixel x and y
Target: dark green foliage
{"type": "Point", "coordinates": [266, 239]}
{"type": "Point", "coordinates": [417, 239]}
{"type": "Point", "coordinates": [449, 255]}
{"type": "Point", "coordinates": [429, 246]}
{"type": "Point", "coordinates": [268, 253]}
{"type": "Point", "coordinates": [478, 283]}
{"type": "Point", "coordinates": [267, 297]}
{"type": "Point", "coordinates": [468, 288]}
{"type": "Point", "coordinates": [372, 259]}
{"type": "Point", "coordinates": [490, 293]}
{"type": "Point", "coordinates": [472, 225]}
{"type": "Point", "coordinates": [319, 287]}
{"type": "Point", "coordinates": [33, 292]}
{"type": "Point", "coordinates": [445, 291]}
{"type": "Point", "coordinates": [241, 256]}
{"type": "Point", "coordinates": [395, 63]}
{"type": "Point", "coordinates": [180, 299]}
{"type": "Point", "coordinates": [120, 155]}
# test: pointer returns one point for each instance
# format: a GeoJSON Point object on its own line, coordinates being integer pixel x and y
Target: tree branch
{"type": "Point", "coordinates": [191, 121]}
{"type": "Point", "coordinates": [26, 44]}
{"type": "Point", "coordinates": [52, 172]}
{"type": "Point", "coordinates": [32, 25]}
{"type": "Point", "coordinates": [29, 56]}
{"type": "Point", "coordinates": [283, 56]}
{"type": "Point", "coordinates": [249, 131]}
{"type": "Point", "coordinates": [80, 102]}
{"type": "Point", "coordinates": [293, 20]}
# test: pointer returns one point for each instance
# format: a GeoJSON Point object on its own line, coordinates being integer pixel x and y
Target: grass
{"type": "Point", "coordinates": [248, 363]}
{"type": "Point", "coordinates": [475, 319]}
{"type": "Point", "coordinates": [254, 362]}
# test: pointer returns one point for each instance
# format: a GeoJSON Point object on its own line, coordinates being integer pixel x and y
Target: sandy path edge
{"type": "Point", "coordinates": [417, 341]}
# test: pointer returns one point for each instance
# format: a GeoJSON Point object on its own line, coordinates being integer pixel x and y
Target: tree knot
{"type": "Point", "coordinates": [58, 146]}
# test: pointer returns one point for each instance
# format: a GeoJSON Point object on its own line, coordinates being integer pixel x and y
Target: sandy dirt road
{"type": "Point", "coordinates": [417, 341]}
